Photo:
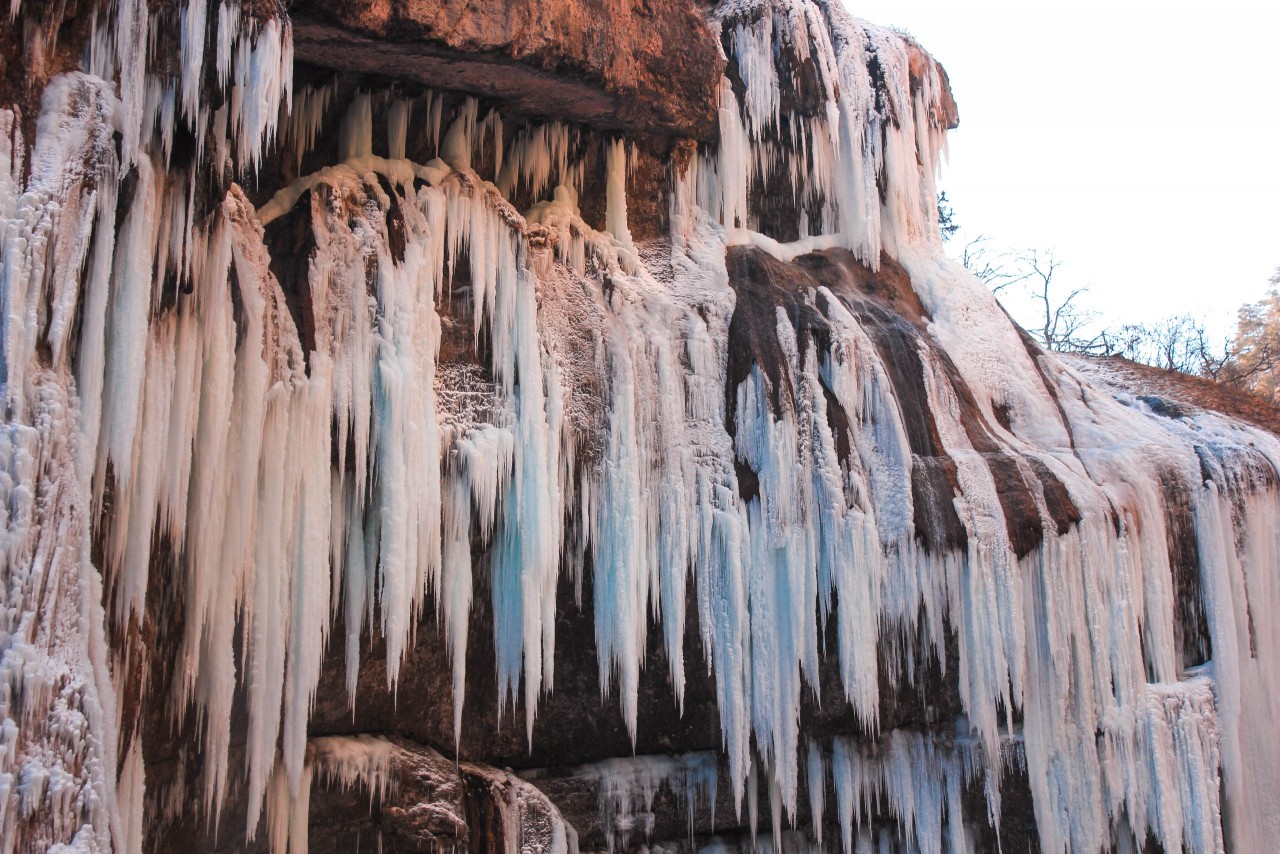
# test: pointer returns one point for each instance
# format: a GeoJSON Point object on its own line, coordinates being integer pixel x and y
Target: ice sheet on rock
{"type": "Point", "coordinates": [626, 789]}
{"type": "Point", "coordinates": [377, 767]}
{"type": "Point", "coordinates": [860, 168]}
{"type": "Point", "coordinates": [58, 706]}
{"type": "Point", "coordinates": [530, 822]}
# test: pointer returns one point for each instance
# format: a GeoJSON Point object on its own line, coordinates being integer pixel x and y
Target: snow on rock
{"type": "Point", "coordinates": [783, 424]}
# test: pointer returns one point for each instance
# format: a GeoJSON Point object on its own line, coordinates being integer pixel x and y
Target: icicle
{"type": "Point", "coordinates": [262, 83]}
{"type": "Point", "coordinates": [398, 128]}
{"type": "Point", "coordinates": [816, 779]}
{"type": "Point", "coordinates": [356, 135]}
{"type": "Point", "coordinates": [132, 788]}
{"type": "Point", "coordinates": [616, 202]}
{"type": "Point", "coordinates": [460, 141]}
{"type": "Point", "coordinates": [194, 21]}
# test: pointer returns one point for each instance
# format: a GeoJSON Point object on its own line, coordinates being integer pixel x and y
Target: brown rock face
{"type": "Point", "coordinates": [919, 62]}
{"type": "Point", "coordinates": [649, 65]}
{"type": "Point", "coordinates": [410, 798]}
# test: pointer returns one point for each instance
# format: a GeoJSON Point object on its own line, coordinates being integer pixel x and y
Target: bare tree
{"type": "Point", "coordinates": [997, 270]}
{"type": "Point", "coordinates": [1177, 343]}
{"type": "Point", "coordinates": [1064, 318]}
{"type": "Point", "coordinates": [1213, 363]}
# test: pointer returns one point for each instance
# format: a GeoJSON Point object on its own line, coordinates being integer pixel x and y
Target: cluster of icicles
{"type": "Point", "coordinates": [913, 778]}
{"type": "Point", "coordinates": [195, 419]}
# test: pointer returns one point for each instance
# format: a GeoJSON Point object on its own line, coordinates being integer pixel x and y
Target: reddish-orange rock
{"type": "Point", "coordinates": [649, 65]}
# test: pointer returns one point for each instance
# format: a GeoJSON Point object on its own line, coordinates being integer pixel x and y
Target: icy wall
{"type": "Point", "coordinates": [303, 369]}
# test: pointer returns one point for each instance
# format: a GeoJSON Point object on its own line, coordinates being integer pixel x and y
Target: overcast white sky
{"type": "Point", "coordinates": [1140, 140]}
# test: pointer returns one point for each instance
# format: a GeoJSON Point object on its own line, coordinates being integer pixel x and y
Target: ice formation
{"type": "Point", "coordinates": [375, 767]}
{"type": "Point", "coordinates": [628, 786]}
{"type": "Point", "coordinates": [468, 400]}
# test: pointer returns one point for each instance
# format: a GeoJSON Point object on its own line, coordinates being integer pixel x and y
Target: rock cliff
{"type": "Point", "coordinates": [556, 427]}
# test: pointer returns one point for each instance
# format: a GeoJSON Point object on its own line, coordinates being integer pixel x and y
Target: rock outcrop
{"type": "Point", "coordinates": [648, 67]}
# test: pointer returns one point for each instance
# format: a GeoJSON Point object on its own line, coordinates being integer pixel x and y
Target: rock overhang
{"type": "Point", "coordinates": [648, 67]}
